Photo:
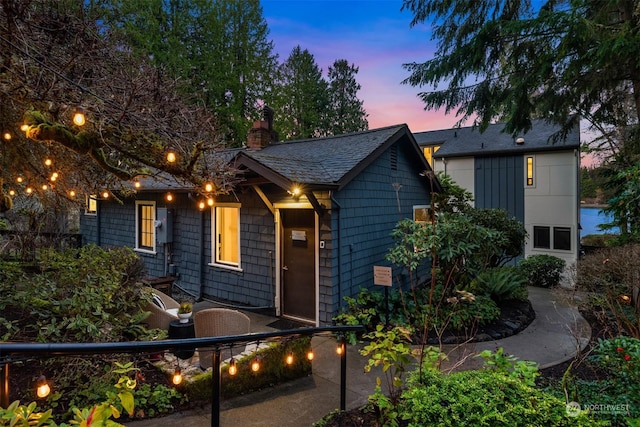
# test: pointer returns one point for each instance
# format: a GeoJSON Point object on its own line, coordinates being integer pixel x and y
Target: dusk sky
{"type": "Point", "coordinates": [375, 36]}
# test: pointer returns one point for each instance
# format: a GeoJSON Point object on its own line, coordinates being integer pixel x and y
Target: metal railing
{"type": "Point", "coordinates": [10, 350]}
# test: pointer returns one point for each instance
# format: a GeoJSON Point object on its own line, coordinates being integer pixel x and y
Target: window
{"type": "Point", "coordinates": [562, 238]}
{"type": "Point", "coordinates": [91, 207]}
{"type": "Point", "coordinates": [226, 239]}
{"type": "Point", "coordinates": [541, 237]}
{"type": "Point", "coordinates": [530, 171]}
{"type": "Point", "coordinates": [422, 213]}
{"type": "Point", "coordinates": [146, 226]}
{"type": "Point", "coordinates": [429, 152]}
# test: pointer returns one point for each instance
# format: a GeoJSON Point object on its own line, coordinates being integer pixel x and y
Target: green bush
{"type": "Point", "coordinates": [482, 398]}
{"type": "Point", "coordinates": [543, 271]}
{"type": "Point", "coordinates": [503, 284]}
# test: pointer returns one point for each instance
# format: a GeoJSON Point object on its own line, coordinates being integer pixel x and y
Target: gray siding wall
{"type": "Point", "coordinates": [499, 183]}
{"type": "Point", "coordinates": [368, 216]}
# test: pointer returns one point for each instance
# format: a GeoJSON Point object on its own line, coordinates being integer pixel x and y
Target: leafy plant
{"type": "Point", "coordinates": [524, 370]}
{"type": "Point", "coordinates": [502, 284]}
{"type": "Point", "coordinates": [185, 307]}
{"type": "Point", "coordinates": [543, 271]}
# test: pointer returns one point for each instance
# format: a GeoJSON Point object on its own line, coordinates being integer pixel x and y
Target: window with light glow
{"type": "Point", "coordinates": [146, 226]}
{"type": "Point", "coordinates": [530, 171]}
{"type": "Point", "coordinates": [92, 205]}
{"type": "Point", "coordinates": [423, 213]}
{"type": "Point", "coordinates": [226, 238]}
{"type": "Point", "coordinates": [429, 152]}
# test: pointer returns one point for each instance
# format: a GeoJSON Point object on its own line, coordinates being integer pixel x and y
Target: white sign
{"type": "Point", "coordinates": [381, 275]}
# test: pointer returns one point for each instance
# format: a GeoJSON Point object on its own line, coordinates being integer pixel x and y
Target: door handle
{"type": "Point", "coordinates": [285, 268]}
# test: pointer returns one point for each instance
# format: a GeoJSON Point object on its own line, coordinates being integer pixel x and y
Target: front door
{"type": "Point", "coordinates": [298, 264]}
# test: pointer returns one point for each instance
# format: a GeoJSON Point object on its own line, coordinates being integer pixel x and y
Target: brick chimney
{"type": "Point", "coordinates": [262, 133]}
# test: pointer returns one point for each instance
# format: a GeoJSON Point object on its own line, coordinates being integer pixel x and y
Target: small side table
{"type": "Point", "coordinates": [180, 331]}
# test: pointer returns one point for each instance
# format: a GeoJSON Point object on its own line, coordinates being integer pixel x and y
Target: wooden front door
{"type": "Point", "coordinates": [298, 263]}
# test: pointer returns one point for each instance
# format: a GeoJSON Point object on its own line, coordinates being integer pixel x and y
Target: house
{"type": "Point", "coordinates": [531, 177]}
{"type": "Point", "coordinates": [304, 228]}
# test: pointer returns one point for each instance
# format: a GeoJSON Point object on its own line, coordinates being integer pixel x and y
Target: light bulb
{"type": "Point", "coordinates": [289, 359]}
{"type": "Point", "coordinates": [201, 205]}
{"type": "Point", "coordinates": [7, 136]}
{"type": "Point", "coordinates": [169, 197]}
{"type": "Point", "coordinates": [210, 202]}
{"type": "Point", "coordinates": [137, 184]}
{"type": "Point", "coordinates": [255, 365]}
{"type": "Point", "coordinates": [171, 157]}
{"type": "Point", "coordinates": [12, 192]}
{"type": "Point", "coordinates": [19, 179]}
{"type": "Point", "coordinates": [177, 377]}
{"type": "Point", "coordinates": [339, 349]}
{"type": "Point", "coordinates": [78, 117]}
{"type": "Point", "coordinates": [24, 127]}
{"type": "Point", "coordinates": [45, 187]}
{"type": "Point", "coordinates": [48, 162]}
{"type": "Point", "coordinates": [105, 194]}
{"type": "Point", "coordinates": [72, 193]}
{"type": "Point", "coordinates": [233, 367]}
{"type": "Point", "coordinates": [208, 187]}
{"type": "Point", "coordinates": [310, 355]}
{"type": "Point", "coordinates": [43, 389]}
{"type": "Point", "coordinates": [28, 190]}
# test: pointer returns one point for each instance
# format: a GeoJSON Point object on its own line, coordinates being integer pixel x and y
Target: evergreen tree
{"type": "Point", "coordinates": [301, 111]}
{"type": "Point", "coordinates": [346, 113]}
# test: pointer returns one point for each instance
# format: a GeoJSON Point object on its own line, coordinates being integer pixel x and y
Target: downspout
{"type": "Point", "coordinates": [98, 223]}
{"type": "Point", "coordinates": [335, 202]}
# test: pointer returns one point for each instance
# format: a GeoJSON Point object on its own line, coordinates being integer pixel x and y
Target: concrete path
{"type": "Point", "coordinates": [557, 334]}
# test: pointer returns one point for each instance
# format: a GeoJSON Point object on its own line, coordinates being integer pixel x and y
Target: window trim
{"type": "Point", "coordinates": [91, 200]}
{"type": "Point", "coordinates": [138, 245]}
{"type": "Point", "coordinates": [214, 232]}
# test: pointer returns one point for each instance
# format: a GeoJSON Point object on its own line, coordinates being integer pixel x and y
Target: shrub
{"type": "Point", "coordinates": [482, 398]}
{"type": "Point", "coordinates": [542, 270]}
{"type": "Point", "coordinates": [503, 284]}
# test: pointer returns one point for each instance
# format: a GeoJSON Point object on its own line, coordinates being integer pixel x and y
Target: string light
{"type": "Point", "coordinates": [210, 201]}
{"type": "Point", "coordinates": [54, 176]}
{"type": "Point", "coordinates": [12, 192]}
{"type": "Point", "coordinates": [201, 205]}
{"type": "Point", "coordinates": [105, 194]}
{"type": "Point", "coordinates": [19, 180]}
{"type": "Point", "coordinates": [340, 349]}
{"type": "Point", "coordinates": [7, 136]}
{"type": "Point", "coordinates": [310, 354]}
{"type": "Point", "coordinates": [43, 388]}
{"type": "Point", "coordinates": [289, 359]}
{"type": "Point", "coordinates": [177, 376]}
{"type": "Point", "coordinates": [233, 367]}
{"type": "Point", "coordinates": [24, 127]}
{"type": "Point", "coordinates": [78, 116]}
{"type": "Point", "coordinates": [45, 187]}
{"type": "Point", "coordinates": [28, 190]}
{"type": "Point", "coordinates": [208, 187]}
{"type": "Point", "coordinates": [255, 364]}
{"type": "Point", "coordinates": [171, 157]}
{"type": "Point", "coordinates": [169, 197]}
{"type": "Point", "coordinates": [48, 162]}
{"type": "Point", "coordinates": [72, 193]}
{"type": "Point", "coordinates": [137, 184]}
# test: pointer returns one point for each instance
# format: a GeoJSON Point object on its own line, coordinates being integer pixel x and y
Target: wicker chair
{"type": "Point", "coordinates": [160, 318]}
{"type": "Point", "coordinates": [215, 322]}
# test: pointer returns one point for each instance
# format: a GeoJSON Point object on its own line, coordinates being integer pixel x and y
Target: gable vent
{"type": "Point", "coordinates": [393, 154]}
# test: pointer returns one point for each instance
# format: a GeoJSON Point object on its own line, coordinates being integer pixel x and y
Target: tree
{"type": "Point", "coordinates": [559, 60]}
{"type": "Point", "coordinates": [58, 55]}
{"type": "Point", "coordinates": [347, 113]}
{"type": "Point", "coordinates": [300, 111]}
{"type": "Point", "coordinates": [219, 49]}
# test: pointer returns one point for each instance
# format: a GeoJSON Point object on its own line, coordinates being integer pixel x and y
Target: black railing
{"type": "Point", "coordinates": [10, 350]}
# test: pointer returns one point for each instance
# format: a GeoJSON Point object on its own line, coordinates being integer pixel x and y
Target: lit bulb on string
{"type": "Point", "coordinates": [12, 192]}
{"type": "Point", "coordinates": [48, 162]}
{"type": "Point", "coordinates": [169, 197]}
{"type": "Point", "coordinates": [28, 190]}
{"type": "Point", "coordinates": [105, 194]}
{"type": "Point", "coordinates": [7, 136]}
{"type": "Point", "coordinates": [340, 349]}
{"type": "Point", "coordinates": [54, 176]}
{"type": "Point", "coordinates": [310, 355]}
{"type": "Point", "coordinates": [177, 376]}
{"type": "Point", "coordinates": [45, 187]}
{"type": "Point", "coordinates": [201, 205]}
{"type": "Point", "coordinates": [210, 202]}
{"type": "Point", "coordinates": [255, 364]}
{"type": "Point", "coordinates": [72, 193]}
{"type": "Point", "coordinates": [137, 184]}
{"type": "Point", "coordinates": [171, 157]}
{"type": "Point", "coordinates": [19, 180]}
{"type": "Point", "coordinates": [24, 127]}
{"type": "Point", "coordinates": [289, 359]}
{"type": "Point", "coordinates": [43, 388]}
{"type": "Point", "coordinates": [208, 187]}
{"type": "Point", "coordinates": [78, 117]}
{"type": "Point", "coordinates": [233, 367]}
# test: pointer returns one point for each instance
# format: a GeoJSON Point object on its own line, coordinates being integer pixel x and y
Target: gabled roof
{"type": "Point", "coordinates": [329, 162]}
{"type": "Point", "coordinates": [468, 141]}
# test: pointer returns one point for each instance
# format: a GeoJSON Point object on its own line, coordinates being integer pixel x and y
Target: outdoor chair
{"type": "Point", "coordinates": [163, 308]}
{"type": "Point", "coordinates": [215, 322]}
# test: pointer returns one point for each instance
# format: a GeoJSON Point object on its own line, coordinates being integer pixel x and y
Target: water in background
{"type": "Point", "coordinates": [591, 218]}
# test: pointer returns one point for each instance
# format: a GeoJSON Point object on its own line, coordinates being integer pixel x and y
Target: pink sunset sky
{"type": "Point", "coordinates": [374, 35]}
